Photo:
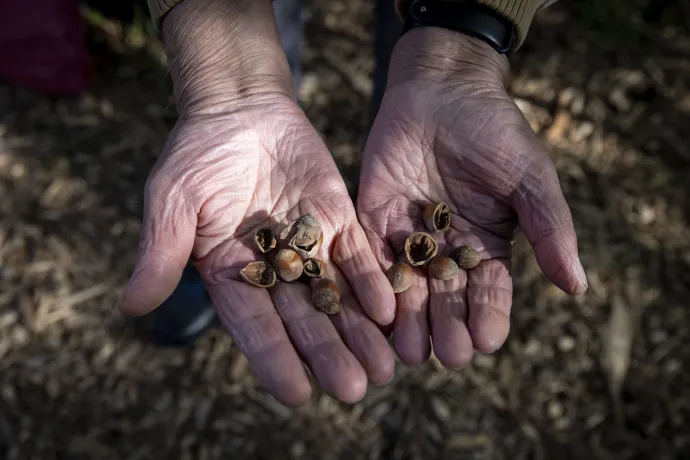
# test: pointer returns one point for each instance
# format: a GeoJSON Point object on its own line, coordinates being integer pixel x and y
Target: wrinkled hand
{"type": "Point", "coordinates": [219, 180]}
{"type": "Point", "coordinates": [448, 131]}
{"type": "Point", "coordinates": [243, 156]}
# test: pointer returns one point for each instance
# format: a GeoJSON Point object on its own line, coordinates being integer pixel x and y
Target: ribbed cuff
{"type": "Point", "coordinates": [158, 9]}
{"type": "Point", "coordinates": [519, 12]}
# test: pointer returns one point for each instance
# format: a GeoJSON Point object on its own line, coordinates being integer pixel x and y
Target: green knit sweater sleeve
{"type": "Point", "coordinates": [158, 9]}
{"type": "Point", "coordinates": [520, 12]}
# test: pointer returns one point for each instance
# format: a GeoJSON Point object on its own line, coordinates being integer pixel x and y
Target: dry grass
{"type": "Point", "coordinates": [604, 376]}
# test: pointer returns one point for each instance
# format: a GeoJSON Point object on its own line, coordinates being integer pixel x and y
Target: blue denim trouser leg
{"type": "Point", "coordinates": [290, 22]}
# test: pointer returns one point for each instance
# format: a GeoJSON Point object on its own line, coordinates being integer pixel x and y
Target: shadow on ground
{"type": "Point", "coordinates": [75, 382]}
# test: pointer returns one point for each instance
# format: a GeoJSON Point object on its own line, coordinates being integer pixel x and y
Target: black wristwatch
{"type": "Point", "coordinates": [468, 17]}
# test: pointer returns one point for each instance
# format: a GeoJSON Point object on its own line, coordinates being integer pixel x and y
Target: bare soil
{"type": "Point", "coordinates": [602, 376]}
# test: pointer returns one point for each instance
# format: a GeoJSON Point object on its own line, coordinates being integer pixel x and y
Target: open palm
{"type": "Point", "coordinates": [220, 179]}
{"type": "Point", "coordinates": [469, 146]}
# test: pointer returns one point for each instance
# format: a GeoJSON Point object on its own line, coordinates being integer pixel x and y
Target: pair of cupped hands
{"type": "Point", "coordinates": [243, 155]}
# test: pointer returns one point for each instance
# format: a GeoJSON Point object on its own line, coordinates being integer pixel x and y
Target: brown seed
{"type": "Point", "coordinates": [304, 235]}
{"type": "Point", "coordinates": [466, 257]}
{"type": "Point", "coordinates": [443, 268]}
{"type": "Point", "coordinates": [288, 264]}
{"type": "Point", "coordinates": [315, 268]}
{"type": "Point", "coordinates": [265, 240]}
{"type": "Point", "coordinates": [420, 248]}
{"type": "Point", "coordinates": [259, 274]}
{"type": "Point", "coordinates": [400, 276]}
{"type": "Point", "coordinates": [437, 216]}
{"type": "Point", "coordinates": [325, 295]}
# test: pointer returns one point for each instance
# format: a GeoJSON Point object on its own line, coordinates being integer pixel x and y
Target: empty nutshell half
{"type": "Point", "coordinates": [304, 235]}
{"type": "Point", "coordinates": [420, 248]}
{"type": "Point", "coordinates": [400, 276]}
{"type": "Point", "coordinates": [436, 216]}
{"type": "Point", "coordinates": [288, 264]}
{"type": "Point", "coordinates": [259, 274]}
{"type": "Point", "coordinates": [315, 268]}
{"type": "Point", "coordinates": [265, 240]}
{"type": "Point", "coordinates": [443, 268]}
{"type": "Point", "coordinates": [466, 257]}
{"type": "Point", "coordinates": [325, 295]}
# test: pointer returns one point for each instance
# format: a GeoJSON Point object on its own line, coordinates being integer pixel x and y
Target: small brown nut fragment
{"type": "Point", "coordinates": [288, 264]}
{"type": "Point", "coordinates": [315, 268]}
{"type": "Point", "coordinates": [265, 240]}
{"type": "Point", "coordinates": [443, 268]}
{"type": "Point", "coordinates": [466, 257]}
{"type": "Point", "coordinates": [420, 248]}
{"type": "Point", "coordinates": [304, 235]}
{"type": "Point", "coordinates": [437, 216]}
{"type": "Point", "coordinates": [326, 295]}
{"type": "Point", "coordinates": [400, 276]}
{"type": "Point", "coordinates": [259, 274]}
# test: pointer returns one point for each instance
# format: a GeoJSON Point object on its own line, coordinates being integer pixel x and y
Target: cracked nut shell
{"type": "Point", "coordinates": [420, 248]}
{"type": "Point", "coordinates": [437, 216]}
{"type": "Point", "coordinates": [288, 264]}
{"type": "Point", "coordinates": [265, 240]}
{"type": "Point", "coordinates": [400, 276]}
{"type": "Point", "coordinates": [325, 295]}
{"type": "Point", "coordinates": [304, 235]}
{"type": "Point", "coordinates": [466, 257]}
{"type": "Point", "coordinates": [259, 274]}
{"type": "Point", "coordinates": [443, 268]}
{"type": "Point", "coordinates": [315, 268]}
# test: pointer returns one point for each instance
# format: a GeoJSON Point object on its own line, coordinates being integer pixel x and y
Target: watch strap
{"type": "Point", "coordinates": [468, 17]}
{"type": "Point", "coordinates": [519, 12]}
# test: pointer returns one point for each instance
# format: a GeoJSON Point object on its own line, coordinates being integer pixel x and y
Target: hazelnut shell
{"type": "Point", "coordinates": [437, 217]}
{"type": "Point", "coordinates": [325, 295]}
{"type": "Point", "coordinates": [315, 268]}
{"type": "Point", "coordinates": [303, 235]}
{"type": "Point", "coordinates": [420, 248]}
{"type": "Point", "coordinates": [400, 276]}
{"type": "Point", "coordinates": [288, 264]}
{"type": "Point", "coordinates": [443, 268]}
{"type": "Point", "coordinates": [466, 257]}
{"type": "Point", "coordinates": [265, 240]}
{"type": "Point", "coordinates": [259, 274]}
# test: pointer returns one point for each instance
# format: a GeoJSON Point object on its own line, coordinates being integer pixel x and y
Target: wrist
{"type": "Point", "coordinates": [223, 53]}
{"type": "Point", "coordinates": [446, 57]}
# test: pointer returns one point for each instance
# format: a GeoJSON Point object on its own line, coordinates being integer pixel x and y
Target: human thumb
{"type": "Point", "coordinates": [547, 223]}
{"type": "Point", "coordinates": [165, 244]}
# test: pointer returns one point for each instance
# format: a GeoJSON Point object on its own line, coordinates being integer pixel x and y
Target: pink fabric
{"type": "Point", "coordinates": [42, 46]}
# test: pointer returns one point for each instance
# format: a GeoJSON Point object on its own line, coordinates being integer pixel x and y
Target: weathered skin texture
{"type": "Point", "coordinates": [243, 156]}
{"type": "Point", "coordinates": [447, 131]}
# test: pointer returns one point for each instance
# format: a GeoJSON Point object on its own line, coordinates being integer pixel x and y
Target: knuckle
{"type": "Point", "coordinates": [158, 184]}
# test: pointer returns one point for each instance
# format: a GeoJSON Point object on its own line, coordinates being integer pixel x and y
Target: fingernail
{"type": "Point", "coordinates": [581, 275]}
